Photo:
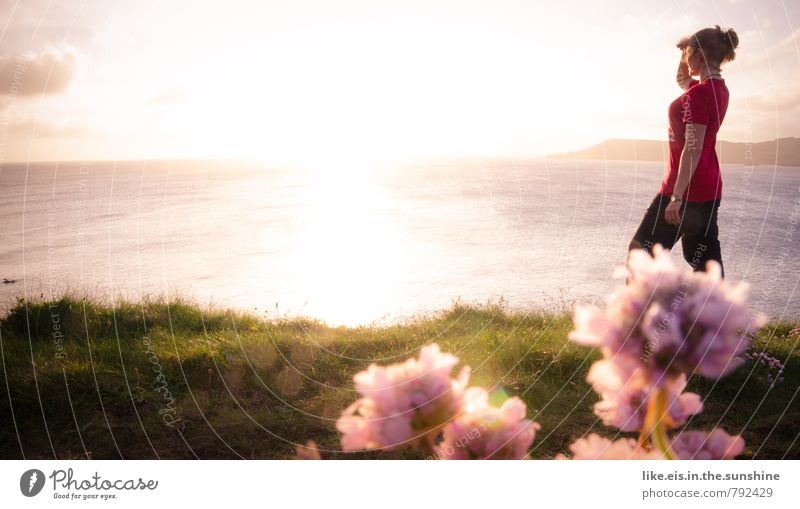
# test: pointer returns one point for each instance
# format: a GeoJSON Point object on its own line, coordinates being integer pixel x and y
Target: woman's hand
{"type": "Point", "coordinates": [673, 213]}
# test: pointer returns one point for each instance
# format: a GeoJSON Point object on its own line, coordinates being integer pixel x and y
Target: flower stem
{"type": "Point", "coordinates": [656, 423]}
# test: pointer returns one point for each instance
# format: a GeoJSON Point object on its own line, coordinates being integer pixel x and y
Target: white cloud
{"type": "Point", "coordinates": [29, 75]}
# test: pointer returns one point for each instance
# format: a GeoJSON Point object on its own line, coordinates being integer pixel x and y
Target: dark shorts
{"type": "Point", "coordinates": [697, 231]}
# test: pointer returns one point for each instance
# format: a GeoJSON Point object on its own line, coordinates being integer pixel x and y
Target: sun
{"type": "Point", "coordinates": [347, 244]}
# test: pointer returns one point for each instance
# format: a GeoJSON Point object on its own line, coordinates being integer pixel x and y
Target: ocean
{"type": "Point", "coordinates": [371, 245]}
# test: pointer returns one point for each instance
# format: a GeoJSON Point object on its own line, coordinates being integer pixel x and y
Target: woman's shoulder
{"type": "Point", "coordinates": [708, 86]}
{"type": "Point", "coordinates": [703, 90]}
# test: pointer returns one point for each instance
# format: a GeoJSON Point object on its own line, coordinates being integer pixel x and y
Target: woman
{"type": "Point", "coordinates": [686, 205]}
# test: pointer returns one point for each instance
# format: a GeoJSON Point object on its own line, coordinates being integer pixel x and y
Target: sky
{"type": "Point", "coordinates": [311, 81]}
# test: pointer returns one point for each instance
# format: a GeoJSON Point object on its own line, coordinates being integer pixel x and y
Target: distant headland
{"type": "Point", "coordinates": [782, 151]}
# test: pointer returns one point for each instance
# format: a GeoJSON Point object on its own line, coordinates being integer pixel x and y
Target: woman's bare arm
{"type": "Point", "coordinates": [682, 76]}
{"type": "Point", "coordinates": [695, 135]}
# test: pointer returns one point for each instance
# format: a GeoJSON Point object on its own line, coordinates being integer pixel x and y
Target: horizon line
{"type": "Point", "coordinates": [379, 161]}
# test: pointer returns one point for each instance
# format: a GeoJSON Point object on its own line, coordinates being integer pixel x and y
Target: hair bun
{"type": "Point", "coordinates": [729, 38]}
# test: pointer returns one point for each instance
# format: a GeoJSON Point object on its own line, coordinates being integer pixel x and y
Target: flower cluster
{"type": "Point", "coordinates": [483, 431]}
{"type": "Point", "coordinates": [687, 445]}
{"type": "Point", "coordinates": [774, 366]}
{"type": "Point", "coordinates": [402, 403]}
{"type": "Point", "coordinates": [698, 445]}
{"type": "Point", "coordinates": [411, 403]}
{"type": "Point", "coordinates": [595, 447]}
{"type": "Point", "coordinates": [670, 321]}
{"type": "Point", "coordinates": [663, 324]}
{"type": "Point", "coordinates": [625, 395]}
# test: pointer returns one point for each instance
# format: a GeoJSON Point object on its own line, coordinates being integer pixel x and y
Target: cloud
{"type": "Point", "coordinates": [29, 75]}
{"type": "Point", "coordinates": [36, 25]}
{"type": "Point", "coordinates": [755, 57]}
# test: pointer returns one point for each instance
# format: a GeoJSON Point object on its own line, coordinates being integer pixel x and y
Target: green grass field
{"type": "Point", "coordinates": [86, 378]}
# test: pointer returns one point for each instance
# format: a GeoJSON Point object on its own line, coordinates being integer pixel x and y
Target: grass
{"type": "Point", "coordinates": [241, 386]}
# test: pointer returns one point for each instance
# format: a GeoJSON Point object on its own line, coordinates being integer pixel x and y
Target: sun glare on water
{"type": "Point", "coordinates": [348, 244]}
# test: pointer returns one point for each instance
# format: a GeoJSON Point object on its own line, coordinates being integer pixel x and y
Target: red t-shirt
{"type": "Point", "coordinates": [703, 103]}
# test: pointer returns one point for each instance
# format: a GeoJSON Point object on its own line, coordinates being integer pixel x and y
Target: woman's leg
{"type": "Point", "coordinates": [654, 229]}
{"type": "Point", "coordinates": [701, 235]}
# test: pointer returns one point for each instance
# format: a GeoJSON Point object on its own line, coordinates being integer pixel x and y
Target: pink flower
{"type": "Point", "coordinates": [625, 391]}
{"type": "Point", "coordinates": [403, 402]}
{"type": "Point", "coordinates": [671, 321]}
{"type": "Point", "coordinates": [483, 431]}
{"type": "Point", "coordinates": [307, 452]}
{"type": "Point", "coordinates": [699, 445]}
{"type": "Point", "coordinates": [595, 447]}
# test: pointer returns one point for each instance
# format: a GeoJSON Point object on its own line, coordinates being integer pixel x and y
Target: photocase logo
{"type": "Point", "coordinates": [31, 482]}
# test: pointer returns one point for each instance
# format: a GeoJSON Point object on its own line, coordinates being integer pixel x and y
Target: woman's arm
{"type": "Point", "coordinates": [695, 135]}
{"type": "Point", "coordinates": [683, 77]}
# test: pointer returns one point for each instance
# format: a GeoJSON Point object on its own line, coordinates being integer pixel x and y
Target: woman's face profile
{"type": "Point", "coordinates": [693, 58]}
